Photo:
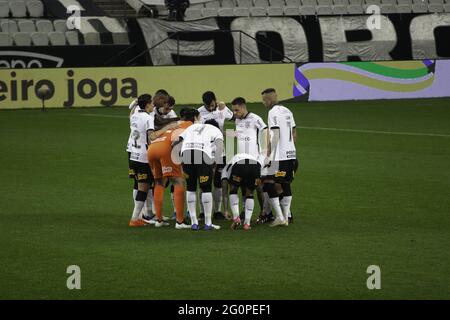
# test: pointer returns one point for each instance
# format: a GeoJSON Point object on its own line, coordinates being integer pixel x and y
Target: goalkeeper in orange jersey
{"type": "Point", "coordinates": [164, 168]}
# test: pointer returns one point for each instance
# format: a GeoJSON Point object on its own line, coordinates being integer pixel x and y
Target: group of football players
{"type": "Point", "coordinates": [189, 151]}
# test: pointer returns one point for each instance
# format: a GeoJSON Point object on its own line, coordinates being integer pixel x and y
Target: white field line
{"type": "Point", "coordinates": [314, 128]}
{"type": "Point", "coordinates": [379, 132]}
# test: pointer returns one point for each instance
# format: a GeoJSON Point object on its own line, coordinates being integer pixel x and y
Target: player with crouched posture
{"type": "Point", "coordinates": [141, 124]}
{"type": "Point", "coordinates": [164, 168]}
{"type": "Point", "coordinates": [244, 171]}
{"type": "Point", "coordinates": [282, 155]}
{"type": "Point", "coordinates": [201, 150]}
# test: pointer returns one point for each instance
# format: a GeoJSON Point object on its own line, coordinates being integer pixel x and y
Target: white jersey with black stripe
{"type": "Point", "coordinates": [248, 133]}
{"type": "Point", "coordinates": [281, 118]}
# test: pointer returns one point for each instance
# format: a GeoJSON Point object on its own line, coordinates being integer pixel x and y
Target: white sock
{"type": "Point", "coordinates": [234, 205]}
{"type": "Point", "coordinates": [202, 210]}
{"type": "Point", "coordinates": [138, 205]}
{"type": "Point", "coordinates": [275, 204]}
{"type": "Point", "coordinates": [191, 198]}
{"type": "Point", "coordinates": [217, 199]}
{"type": "Point", "coordinates": [207, 201]}
{"type": "Point", "coordinates": [266, 203]}
{"type": "Point", "coordinates": [286, 206]}
{"type": "Point", "coordinates": [249, 206]}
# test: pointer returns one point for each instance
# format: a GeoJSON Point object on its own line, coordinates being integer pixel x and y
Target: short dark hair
{"type": "Point", "coordinates": [208, 97]}
{"type": "Point", "coordinates": [213, 123]}
{"type": "Point", "coordinates": [171, 101]}
{"type": "Point", "coordinates": [161, 91]}
{"type": "Point", "coordinates": [268, 90]}
{"type": "Point", "coordinates": [238, 101]}
{"type": "Point", "coordinates": [143, 100]}
{"type": "Point", "coordinates": [189, 114]}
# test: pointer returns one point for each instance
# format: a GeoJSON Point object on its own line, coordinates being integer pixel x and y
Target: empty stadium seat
{"type": "Point", "coordinates": [5, 39]}
{"type": "Point", "coordinates": [193, 13]}
{"type": "Point", "coordinates": [22, 39]}
{"type": "Point", "coordinates": [259, 8]}
{"type": "Point", "coordinates": [72, 38]}
{"type": "Point", "coordinates": [60, 25]}
{"type": "Point", "coordinates": [292, 8]}
{"type": "Point", "coordinates": [226, 8]}
{"type": "Point", "coordinates": [419, 6]}
{"type": "Point", "coordinates": [4, 9]}
{"type": "Point", "coordinates": [308, 7]}
{"type": "Point", "coordinates": [26, 26]}
{"type": "Point", "coordinates": [18, 9]}
{"type": "Point", "coordinates": [243, 8]}
{"type": "Point", "coordinates": [324, 7]}
{"type": "Point", "coordinates": [436, 6]}
{"type": "Point", "coordinates": [44, 26]}
{"type": "Point", "coordinates": [447, 6]}
{"type": "Point", "coordinates": [355, 7]}
{"type": "Point", "coordinates": [340, 6]}
{"type": "Point", "coordinates": [39, 39]}
{"type": "Point", "coordinates": [9, 26]}
{"type": "Point", "coordinates": [275, 8]}
{"type": "Point", "coordinates": [57, 38]}
{"type": "Point", "coordinates": [211, 9]}
{"type": "Point", "coordinates": [92, 38]}
{"type": "Point", "coordinates": [404, 6]}
{"type": "Point", "coordinates": [35, 8]}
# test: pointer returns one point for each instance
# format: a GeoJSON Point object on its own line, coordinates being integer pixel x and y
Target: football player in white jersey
{"type": "Point", "coordinates": [218, 111]}
{"type": "Point", "coordinates": [201, 149]}
{"type": "Point", "coordinates": [282, 154]}
{"type": "Point", "coordinates": [244, 171]}
{"type": "Point", "coordinates": [251, 134]}
{"type": "Point", "coordinates": [162, 114]}
{"type": "Point", "coordinates": [141, 123]}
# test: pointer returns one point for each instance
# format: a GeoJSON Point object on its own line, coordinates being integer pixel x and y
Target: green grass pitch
{"type": "Point", "coordinates": [363, 196]}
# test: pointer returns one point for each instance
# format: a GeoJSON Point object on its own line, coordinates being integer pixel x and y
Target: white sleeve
{"type": "Point", "coordinates": [260, 123]}
{"type": "Point", "coordinates": [228, 113]}
{"type": "Point", "coordinates": [293, 120]}
{"type": "Point", "coordinates": [273, 121]}
{"type": "Point", "coordinates": [172, 114]}
{"type": "Point", "coordinates": [151, 122]}
{"type": "Point", "coordinates": [226, 172]}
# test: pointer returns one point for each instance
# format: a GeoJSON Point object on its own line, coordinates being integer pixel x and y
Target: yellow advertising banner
{"type": "Point", "coordinates": [93, 87]}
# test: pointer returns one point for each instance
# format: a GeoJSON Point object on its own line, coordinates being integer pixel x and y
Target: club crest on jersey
{"type": "Point", "coordinates": [236, 178]}
{"type": "Point", "coordinates": [204, 179]}
{"type": "Point", "coordinates": [142, 176]}
{"type": "Point", "coordinates": [280, 174]}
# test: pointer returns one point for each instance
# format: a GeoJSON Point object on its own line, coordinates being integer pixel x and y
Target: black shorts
{"type": "Point", "coordinates": [139, 171]}
{"type": "Point", "coordinates": [245, 175]}
{"type": "Point", "coordinates": [197, 166]}
{"type": "Point", "coordinates": [281, 171]}
{"type": "Point", "coordinates": [218, 173]}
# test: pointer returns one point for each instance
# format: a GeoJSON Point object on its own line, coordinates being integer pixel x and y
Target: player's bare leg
{"type": "Point", "coordinates": [158, 199]}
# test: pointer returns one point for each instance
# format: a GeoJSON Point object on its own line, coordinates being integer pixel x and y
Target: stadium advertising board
{"type": "Point", "coordinates": [301, 39]}
{"type": "Point", "coordinates": [372, 80]}
{"type": "Point", "coordinates": [84, 87]}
